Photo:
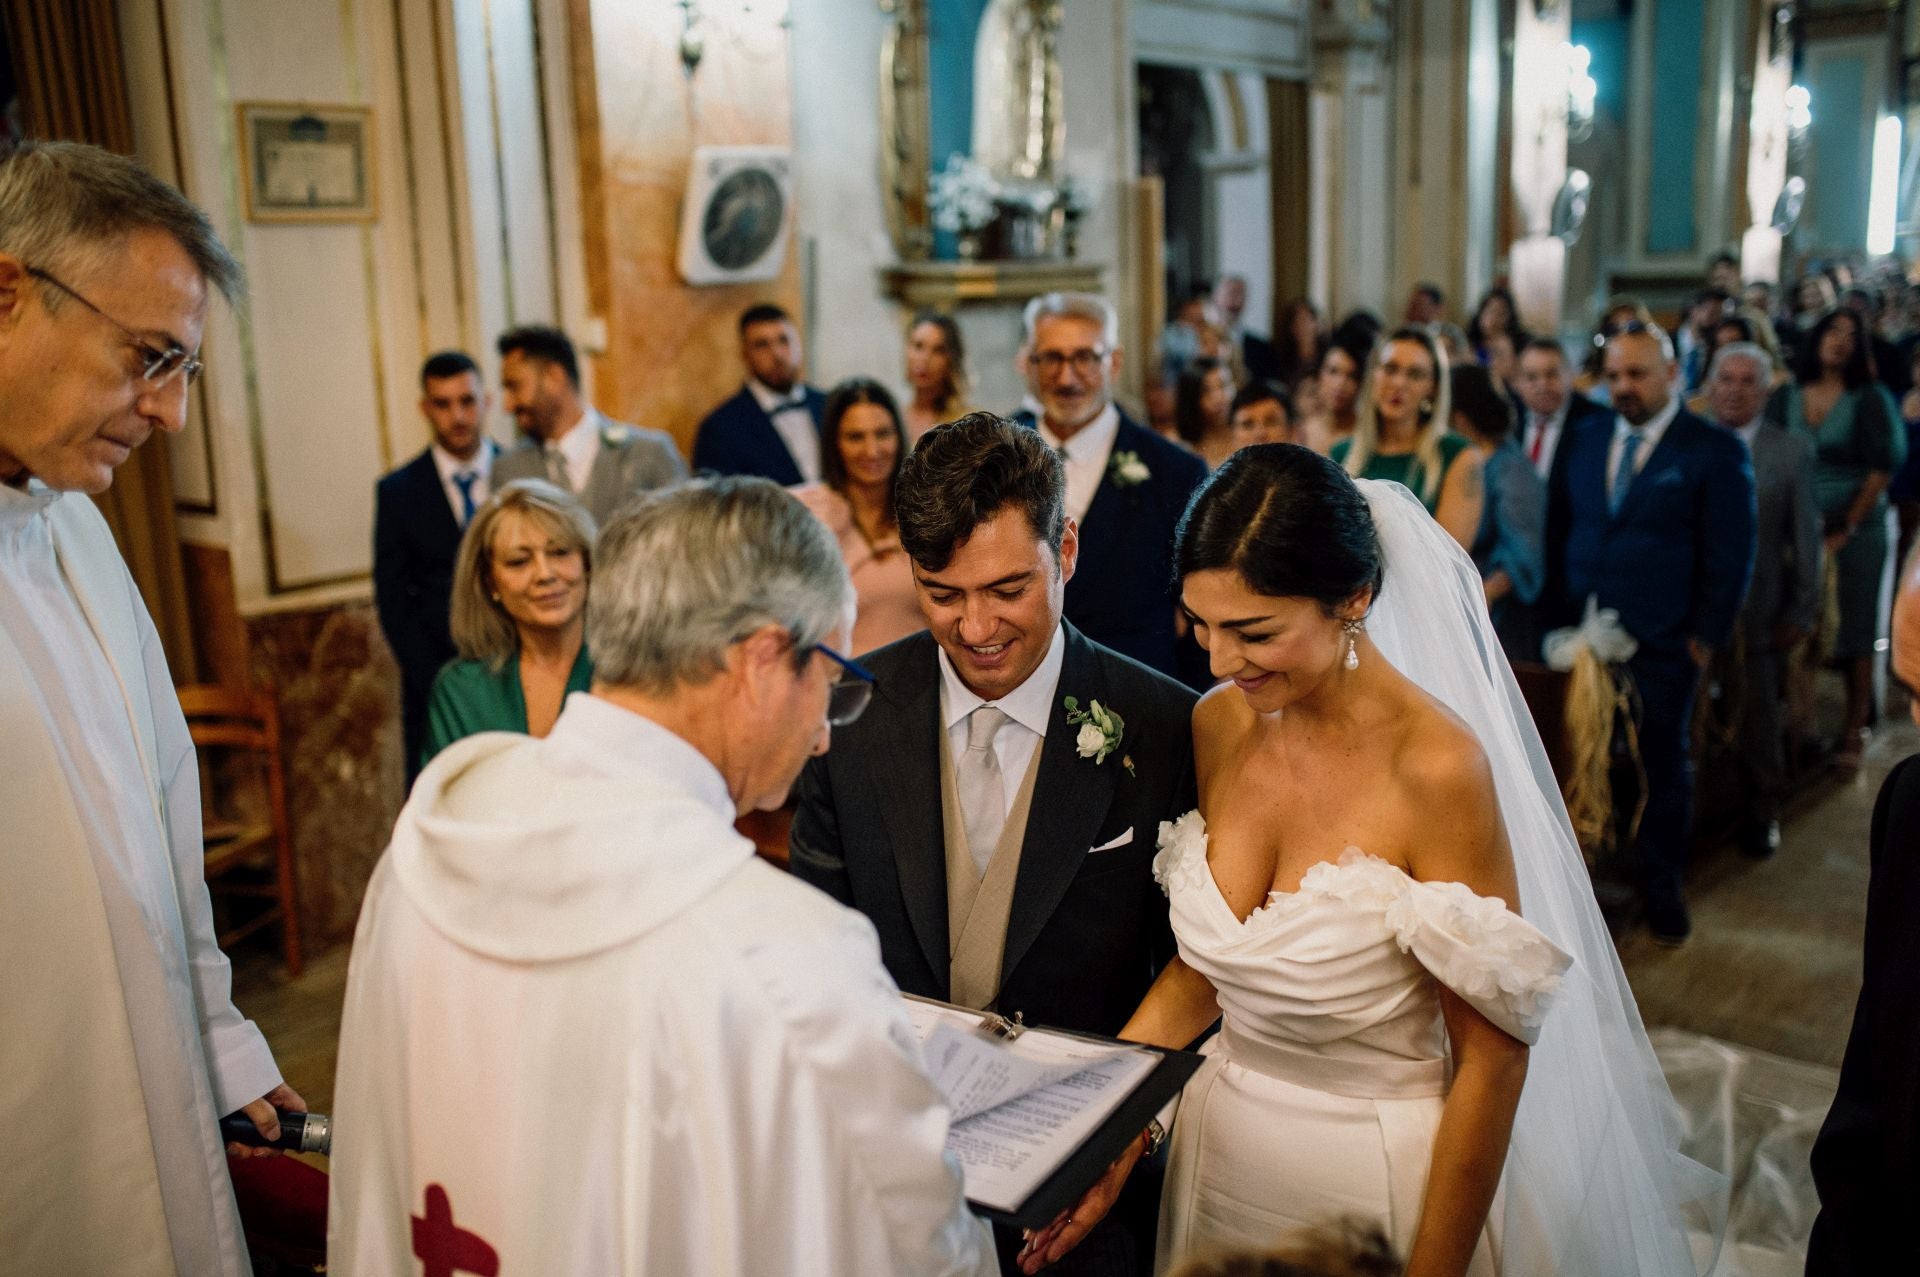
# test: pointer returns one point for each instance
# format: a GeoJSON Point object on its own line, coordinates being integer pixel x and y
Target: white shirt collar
{"type": "Point", "coordinates": [1093, 441]}
{"type": "Point", "coordinates": [598, 737]}
{"type": "Point", "coordinates": [581, 442]}
{"type": "Point", "coordinates": [1747, 432]}
{"type": "Point", "coordinates": [1030, 704]}
{"type": "Point", "coordinates": [772, 401]}
{"type": "Point", "coordinates": [448, 465]}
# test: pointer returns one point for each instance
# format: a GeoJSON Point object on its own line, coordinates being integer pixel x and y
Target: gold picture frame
{"type": "Point", "coordinates": [307, 163]}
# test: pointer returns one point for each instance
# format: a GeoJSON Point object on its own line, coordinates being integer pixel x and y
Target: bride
{"type": "Point", "coordinates": [1397, 1040]}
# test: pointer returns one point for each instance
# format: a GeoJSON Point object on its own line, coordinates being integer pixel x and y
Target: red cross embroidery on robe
{"type": "Point", "coordinates": [444, 1248]}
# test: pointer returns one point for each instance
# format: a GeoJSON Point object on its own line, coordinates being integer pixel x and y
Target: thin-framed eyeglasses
{"type": "Point", "coordinates": [158, 366]}
{"type": "Point", "coordinates": [851, 691]}
{"type": "Point", "coordinates": [1083, 362]}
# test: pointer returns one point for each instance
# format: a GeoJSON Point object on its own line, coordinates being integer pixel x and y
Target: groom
{"type": "Point", "coordinates": [1002, 846]}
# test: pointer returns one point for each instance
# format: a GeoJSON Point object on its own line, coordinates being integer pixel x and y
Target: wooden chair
{"type": "Point", "coordinates": [246, 725]}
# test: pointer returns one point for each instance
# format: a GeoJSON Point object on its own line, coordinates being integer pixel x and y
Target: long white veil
{"type": "Point", "coordinates": [1595, 1181]}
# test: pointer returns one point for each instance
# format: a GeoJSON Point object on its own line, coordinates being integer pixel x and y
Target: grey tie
{"type": "Point", "coordinates": [983, 797]}
{"type": "Point", "coordinates": [557, 468]}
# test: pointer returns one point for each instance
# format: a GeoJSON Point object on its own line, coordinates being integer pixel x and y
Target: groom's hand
{"type": "Point", "coordinates": [1064, 1233]}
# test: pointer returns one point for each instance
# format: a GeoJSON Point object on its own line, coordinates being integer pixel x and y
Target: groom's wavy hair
{"type": "Point", "coordinates": [1290, 522]}
{"type": "Point", "coordinates": [962, 474]}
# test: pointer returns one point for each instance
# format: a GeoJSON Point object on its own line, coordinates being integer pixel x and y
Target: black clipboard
{"type": "Point", "coordinates": [1073, 1177]}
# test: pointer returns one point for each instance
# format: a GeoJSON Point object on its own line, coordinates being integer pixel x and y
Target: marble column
{"type": "Point", "coordinates": [1351, 166]}
{"type": "Point", "coordinates": [1542, 79]}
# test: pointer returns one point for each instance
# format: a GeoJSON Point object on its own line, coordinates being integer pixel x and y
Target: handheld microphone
{"type": "Point", "coordinates": [299, 1132]}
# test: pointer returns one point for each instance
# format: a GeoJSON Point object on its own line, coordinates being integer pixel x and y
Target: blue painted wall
{"type": "Point", "coordinates": [951, 28]}
{"type": "Point", "coordinates": [1841, 168]}
{"type": "Point", "coordinates": [1678, 29]}
{"type": "Point", "coordinates": [1610, 41]}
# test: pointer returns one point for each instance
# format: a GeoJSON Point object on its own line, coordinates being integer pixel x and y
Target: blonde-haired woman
{"type": "Point", "coordinates": [519, 617]}
{"type": "Point", "coordinates": [1401, 433]}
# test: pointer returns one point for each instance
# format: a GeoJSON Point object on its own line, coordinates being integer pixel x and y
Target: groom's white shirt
{"type": "Point", "coordinates": [1029, 705]}
{"type": "Point", "coordinates": [586, 1025]}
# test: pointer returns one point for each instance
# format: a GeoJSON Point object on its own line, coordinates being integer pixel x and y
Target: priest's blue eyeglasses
{"type": "Point", "coordinates": [851, 691]}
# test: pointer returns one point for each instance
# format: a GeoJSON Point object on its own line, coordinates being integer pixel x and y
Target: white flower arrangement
{"type": "Point", "coordinates": [1128, 470]}
{"type": "Point", "coordinates": [964, 197]}
{"type": "Point", "coordinates": [1100, 732]}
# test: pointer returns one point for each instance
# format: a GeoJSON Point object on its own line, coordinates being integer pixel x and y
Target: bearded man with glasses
{"type": "Point", "coordinates": [122, 1046]}
{"type": "Point", "coordinates": [1126, 486]}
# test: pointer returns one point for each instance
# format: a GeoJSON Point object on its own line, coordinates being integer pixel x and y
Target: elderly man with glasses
{"type": "Point", "coordinates": [121, 1048]}
{"type": "Point", "coordinates": [586, 1029]}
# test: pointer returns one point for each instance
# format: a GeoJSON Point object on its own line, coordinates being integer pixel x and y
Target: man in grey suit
{"type": "Point", "coordinates": [1784, 597]}
{"type": "Point", "coordinates": [569, 443]}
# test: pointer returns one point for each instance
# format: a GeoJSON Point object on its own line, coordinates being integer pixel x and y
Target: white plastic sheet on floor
{"type": "Point", "coordinates": [1752, 1116]}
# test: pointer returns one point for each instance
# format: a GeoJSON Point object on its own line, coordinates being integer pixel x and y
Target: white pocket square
{"type": "Point", "coordinates": [1121, 841]}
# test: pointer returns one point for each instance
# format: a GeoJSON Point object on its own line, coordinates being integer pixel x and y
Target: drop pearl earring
{"type": "Point", "coordinates": [1352, 658]}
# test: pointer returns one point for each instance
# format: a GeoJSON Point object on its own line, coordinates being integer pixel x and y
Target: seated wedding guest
{"type": "Point", "coordinates": [1402, 433]}
{"type": "Point", "coordinates": [772, 427]}
{"type": "Point", "coordinates": [1299, 340]}
{"type": "Point", "coordinates": [1201, 410]}
{"type": "Point", "coordinates": [937, 381]}
{"type": "Point", "coordinates": [864, 444]}
{"type": "Point", "coordinates": [1509, 548]}
{"type": "Point", "coordinates": [1783, 600]}
{"type": "Point", "coordinates": [1336, 387]}
{"type": "Point", "coordinates": [689, 1063]}
{"type": "Point", "coordinates": [570, 443]}
{"type": "Point", "coordinates": [519, 617]}
{"type": "Point", "coordinates": [1262, 413]}
{"type": "Point", "coordinates": [1859, 443]}
{"type": "Point", "coordinates": [1004, 859]}
{"type": "Point", "coordinates": [1126, 486]}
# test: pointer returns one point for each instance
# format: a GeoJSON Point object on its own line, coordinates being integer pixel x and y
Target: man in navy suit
{"type": "Point", "coordinates": [419, 511]}
{"type": "Point", "coordinates": [1653, 516]}
{"type": "Point", "coordinates": [1549, 411]}
{"type": "Point", "coordinates": [772, 427]}
{"type": "Point", "coordinates": [1126, 486]}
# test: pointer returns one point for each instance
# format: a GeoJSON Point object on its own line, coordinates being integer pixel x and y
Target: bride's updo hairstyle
{"type": "Point", "coordinates": [1290, 522]}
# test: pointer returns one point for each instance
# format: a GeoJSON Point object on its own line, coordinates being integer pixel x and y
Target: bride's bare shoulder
{"type": "Point", "coordinates": [1220, 718]}
{"type": "Point", "coordinates": [1441, 761]}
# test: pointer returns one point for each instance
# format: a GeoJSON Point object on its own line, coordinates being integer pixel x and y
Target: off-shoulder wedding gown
{"type": "Point", "coordinates": [1322, 1091]}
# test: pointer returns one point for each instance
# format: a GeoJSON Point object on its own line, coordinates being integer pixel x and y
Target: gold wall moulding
{"type": "Point", "coordinates": [945, 285]}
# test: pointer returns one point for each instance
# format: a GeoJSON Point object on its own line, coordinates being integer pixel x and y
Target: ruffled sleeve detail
{"type": "Point", "coordinates": [1486, 953]}
{"type": "Point", "coordinates": [1182, 857]}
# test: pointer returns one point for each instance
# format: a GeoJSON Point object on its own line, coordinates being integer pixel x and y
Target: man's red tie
{"type": "Point", "coordinates": [1539, 437]}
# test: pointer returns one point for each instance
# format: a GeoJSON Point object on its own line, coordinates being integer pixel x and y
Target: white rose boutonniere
{"type": "Point", "coordinates": [1128, 470]}
{"type": "Point", "coordinates": [1100, 731]}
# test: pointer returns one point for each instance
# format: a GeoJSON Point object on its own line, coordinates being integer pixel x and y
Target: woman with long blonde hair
{"type": "Point", "coordinates": [1401, 433]}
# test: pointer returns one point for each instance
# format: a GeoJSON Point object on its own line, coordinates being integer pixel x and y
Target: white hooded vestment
{"type": "Point", "coordinates": [588, 1031]}
{"type": "Point", "coordinates": [119, 1043]}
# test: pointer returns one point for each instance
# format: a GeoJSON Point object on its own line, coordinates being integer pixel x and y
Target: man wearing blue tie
{"type": "Point", "coordinates": [1653, 516]}
{"type": "Point", "coordinates": [419, 511]}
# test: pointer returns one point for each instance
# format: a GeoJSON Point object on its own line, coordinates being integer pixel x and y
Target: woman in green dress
{"type": "Point", "coordinates": [519, 617]}
{"type": "Point", "coordinates": [1401, 433]}
{"type": "Point", "coordinates": [1858, 445]}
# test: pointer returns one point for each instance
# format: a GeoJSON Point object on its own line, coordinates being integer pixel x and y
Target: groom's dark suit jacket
{"type": "Point", "coordinates": [1087, 930]}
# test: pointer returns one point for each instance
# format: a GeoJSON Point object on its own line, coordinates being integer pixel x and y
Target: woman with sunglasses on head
{"type": "Point", "coordinates": [1402, 433]}
{"type": "Point", "coordinates": [519, 617]}
{"type": "Point", "coordinates": [862, 443]}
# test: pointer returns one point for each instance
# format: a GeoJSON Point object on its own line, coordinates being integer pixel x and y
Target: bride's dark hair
{"type": "Point", "coordinates": [1288, 520]}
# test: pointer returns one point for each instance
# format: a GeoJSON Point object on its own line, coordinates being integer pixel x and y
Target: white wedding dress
{"type": "Point", "coordinates": [1322, 1093]}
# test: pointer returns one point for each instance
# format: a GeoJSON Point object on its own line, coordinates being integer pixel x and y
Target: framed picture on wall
{"type": "Point", "coordinates": [307, 163]}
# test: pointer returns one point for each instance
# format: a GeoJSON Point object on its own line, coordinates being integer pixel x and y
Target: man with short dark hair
{"type": "Point", "coordinates": [1426, 304]}
{"type": "Point", "coordinates": [1551, 405]}
{"type": "Point", "coordinates": [1126, 486]}
{"type": "Point", "coordinates": [995, 811]}
{"type": "Point", "coordinates": [419, 513]}
{"type": "Point", "coordinates": [1262, 412]}
{"type": "Point", "coordinates": [772, 427]}
{"type": "Point", "coordinates": [120, 1048]}
{"type": "Point", "coordinates": [569, 442]}
{"type": "Point", "coordinates": [1703, 314]}
{"type": "Point", "coordinates": [1723, 272]}
{"type": "Point", "coordinates": [1652, 516]}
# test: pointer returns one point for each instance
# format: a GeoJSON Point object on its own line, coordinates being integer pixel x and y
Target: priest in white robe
{"type": "Point", "coordinates": [120, 1047]}
{"type": "Point", "coordinates": [587, 1030]}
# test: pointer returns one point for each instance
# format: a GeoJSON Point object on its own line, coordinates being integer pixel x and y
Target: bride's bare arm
{"type": "Point", "coordinates": [1177, 1009]}
{"type": "Point", "coordinates": [1470, 1147]}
